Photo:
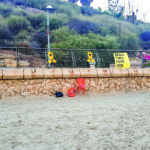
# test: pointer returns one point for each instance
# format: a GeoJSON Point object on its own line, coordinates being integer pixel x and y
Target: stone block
{"type": "Point", "coordinates": [9, 63]}
{"type": "Point", "coordinates": [7, 56]}
{"type": "Point", "coordinates": [1, 63]}
{"type": "Point", "coordinates": [92, 72]}
{"type": "Point", "coordinates": [76, 72]}
{"type": "Point", "coordinates": [88, 72]}
{"type": "Point", "coordinates": [103, 72]}
{"type": "Point", "coordinates": [146, 72]}
{"type": "Point", "coordinates": [67, 73]}
{"type": "Point", "coordinates": [24, 64]}
{"type": "Point", "coordinates": [57, 73]}
{"type": "Point", "coordinates": [48, 73]}
{"type": "Point", "coordinates": [119, 72]}
{"type": "Point", "coordinates": [12, 73]}
{"type": "Point", "coordinates": [35, 73]}
{"type": "Point", "coordinates": [1, 73]}
{"type": "Point", "coordinates": [135, 72]}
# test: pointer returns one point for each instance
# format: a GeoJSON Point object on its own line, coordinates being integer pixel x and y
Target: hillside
{"type": "Point", "coordinates": [23, 23]}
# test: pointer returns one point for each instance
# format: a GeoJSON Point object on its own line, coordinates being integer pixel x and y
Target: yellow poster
{"type": "Point", "coordinates": [121, 60]}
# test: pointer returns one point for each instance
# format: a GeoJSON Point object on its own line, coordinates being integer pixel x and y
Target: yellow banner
{"type": "Point", "coordinates": [121, 60]}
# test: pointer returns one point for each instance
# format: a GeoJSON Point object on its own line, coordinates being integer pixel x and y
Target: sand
{"type": "Point", "coordinates": [92, 122]}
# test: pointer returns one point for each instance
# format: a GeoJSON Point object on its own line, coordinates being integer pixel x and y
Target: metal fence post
{"type": "Point", "coordinates": [142, 60]}
{"type": "Point", "coordinates": [17, 57]}
{"type": "Point", "coordinates": [97, 59]}
{"type": "Point", "coordinates": [73, 59]}
{"type": "Point", "coordinates": [46, 58]}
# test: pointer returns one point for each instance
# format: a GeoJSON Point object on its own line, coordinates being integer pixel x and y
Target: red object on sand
{"type": "Point", "coordinates": [81, 84]}
{"type": "Point", "coordinates": [71, 92]}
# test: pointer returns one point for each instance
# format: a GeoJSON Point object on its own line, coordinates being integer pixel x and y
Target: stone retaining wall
{"type": "Point", "coordinates": [16, 82]}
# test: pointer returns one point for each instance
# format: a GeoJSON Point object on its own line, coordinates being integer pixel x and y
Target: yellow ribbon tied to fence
{"type": "Point", "coordinates": [121, 60]}
{"type": "Point", "coordinates": [90, 56]}
{"type": "Point", "coordinates": [51, 58]}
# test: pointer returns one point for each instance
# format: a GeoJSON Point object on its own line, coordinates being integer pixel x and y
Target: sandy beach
{"type": "Point", "coordinates": [92, 122]}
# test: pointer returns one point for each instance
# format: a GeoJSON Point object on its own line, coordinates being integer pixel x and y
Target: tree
{"type": "Point", "coordinates": [145, 40]}
{"type": "Point", "coordinates": [131, 14]}
{"type": "Point", "coordinates": [73, 1]}
{"type": "Point", "coordinates": [115, 9]}
{"type": "Point", "coordinates": [86, 2]}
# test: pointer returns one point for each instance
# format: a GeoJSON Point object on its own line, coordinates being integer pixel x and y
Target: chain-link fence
{"type": "Point", "coordinates": [19, 57]}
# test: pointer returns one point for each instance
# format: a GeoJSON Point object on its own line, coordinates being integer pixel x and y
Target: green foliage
{"type": "Point", "coordinates": [86, 2]}
{"type": "Point", "coordinates": [41, 38]}
{"type": "Point", "coordinates": [73, 1]}
{"type": "Point", "coordinates": [22, 35]}
{"type": "Point", "coordinates": [16, 24]}
{"type": "Point", "coordinates": [129, 41]}
{"type": "Point", "coordinates": [37, 21]}
{"type": "Point", "coordinates": [18, 12]}
{"type": "Point", "coordinates": [4, 31]}
{"type": "Point", "coordinates": [69, 39]}
{"type": "Point", "coordinates": [27, 20]}
{"type": "Point", "coordinates": [5, 10]}
{"type": "Point", "coordinates": [32, 3]}
{"type": "Point", "coordinates": [89, 11]}
{"type": "Point", "coordinates": [68, 8]}
{"type": "Point", "coordinates": [115, 9]}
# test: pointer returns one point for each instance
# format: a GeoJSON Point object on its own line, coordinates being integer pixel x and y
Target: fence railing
{"type": "Point", "coordinates": [66, 58]}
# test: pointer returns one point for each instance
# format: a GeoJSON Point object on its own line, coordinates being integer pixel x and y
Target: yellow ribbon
{"type": "Point", "coordinates": [90, 55]}
{"type": "Point", "coordinates": [51, 58]}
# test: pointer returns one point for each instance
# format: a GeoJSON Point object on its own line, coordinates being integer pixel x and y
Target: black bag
{"type": "Point", "coordinates": [59, 94]}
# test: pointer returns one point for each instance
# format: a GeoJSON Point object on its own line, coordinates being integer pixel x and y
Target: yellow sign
{"type": "Point", "coordinates": [51, 58]}
{"type": "Point", "coordinates": [90, 55]}
{"type": "Point", "coordinates": [121, 60]}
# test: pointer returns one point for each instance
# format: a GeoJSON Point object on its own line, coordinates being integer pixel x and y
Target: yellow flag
{"type": "Point", "coordinates": [121, 60]}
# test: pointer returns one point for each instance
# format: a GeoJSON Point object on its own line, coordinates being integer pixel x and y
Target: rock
{"type": "Point", "coordinates": [36, 92]}
{"type": "Point", "coordinates": [32, 92]}
{"type": "Point", "coordinates": [17, 90]}
{"type": "Point", "coordinates": [147, 84]}
{"type": "Point", "coordinates": [47, 87]}
{"type": "Point", "coordinates": [102, 86]}
{"type": "Point", "coordinates": [92, 83]}
{"type": "Point", "coordinates": [67, 85]}
{"type": "Point", "coordinates": [7, 56]}
{"type": "Point", "coordinates": [25, 93]}
{"type": "Point", "coordinates": [24, 64]}
{"type": "Point", "coordinates": [57, 88]}
{"type": "Point", "coordinates": [1, 63]}
{"type": "Point", "coordinates": [12, 93]}
{"type": "Point", "coordinates": [45, 92]}
{"type": "Point", "coordinates": [100, 82]}
{"type": "Point", "coordinates": [10, 63]}
{"type": "Point", "coordinates": [29, 87]}
{"type": "Point", "coordinates": [5, 95]}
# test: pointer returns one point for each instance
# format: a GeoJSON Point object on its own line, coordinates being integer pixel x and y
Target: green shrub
{"type": "Point", "coordinates": [22, 35]}
{"type": "Point", "coordinates": [18, 12]}
{"type": "Point", "coordinates": [16, 24]}
{"type": "Point", "coordinates": [5, 10]}
{"type": "Point", "coordinates": [64, 38]}
{"type": "Point", "coordinates": [4, 31]}
{"type": "Point", "coordinates": [129, 41]}
{"type": "Point", "coordinates": [37, 21]}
